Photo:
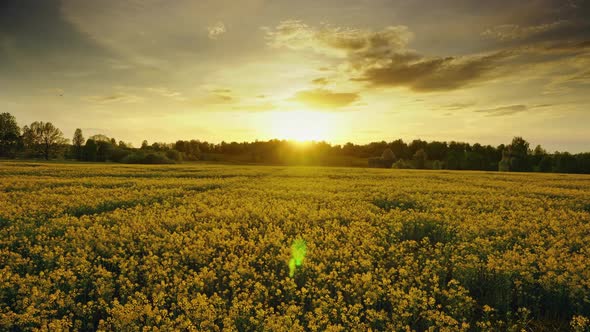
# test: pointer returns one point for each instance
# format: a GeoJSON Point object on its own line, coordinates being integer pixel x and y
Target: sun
{"type": "Point", "coordinates": [301, 126]}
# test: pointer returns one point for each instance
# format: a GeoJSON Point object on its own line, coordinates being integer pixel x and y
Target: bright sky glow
{"type": "Point", "coordinates": [335, 70]}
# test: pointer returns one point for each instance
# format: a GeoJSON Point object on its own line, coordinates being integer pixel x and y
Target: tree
{"type": "Point", "coordinates": [100, 138]}
{"type": "Point", "coordinates": [546, 164]}
{"type": "Point", "coordinates": [565, 163]}
{"type": "Point", "coordinates": [9, 134]}
{"type": "Point", "coordinates": [144, 144]}
{"type": "Point", "coordinates": [179, 146]}
{"type": "Point", "coordinates": [77, 143]}
{"type": "Point", "coordinates": [504, 164]}
{"type": "Point", "coordinates": [400, 149]}
{"type": "Point", "coordinates": [416, 145]}
{"type": "Point", "coordinates": [43, 137]}
{"type": "Point", "coordinates": [90, 150]}
{"type": "Point", "coordinates": [104, 151]}
{"type": "Point", "coordinates": [519, 151]}
{"type": "Point", "coordinates": [388, 154]}
{"type": "Point", "coordinates": [455, 155]}
{"type": "Point", "coordinates": [420, 159]}
{"type": "Point", "coordinates": [436, 150]}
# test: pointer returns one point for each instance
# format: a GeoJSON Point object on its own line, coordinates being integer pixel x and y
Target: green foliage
{"type": "Point", "coordinates": [174, 155]}
{"type": "Point", "coordinates": [504, 165]}
{"type": "Point", "coordinates": [388, 155]}
{"type": "Point", "coordinates": [420, 159]}
{"type": "Point", "coordinates": [402, 164]}
{"type": "Point", "coordinates": [9, 135]}
{"type": "Point", "coordinates": [437, 164]}
{"type": "Point", "coordinates": [43, 139]}
{"type": "Point", "coordinates": [417, 154]}
{"type": "Point", "coordinates": [90, 151]}
{"type": "Point", "coordinates": [141, 157]}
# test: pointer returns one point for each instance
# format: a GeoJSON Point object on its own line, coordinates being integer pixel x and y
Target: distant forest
{"type": "Point", "coordinates": [44, 140]}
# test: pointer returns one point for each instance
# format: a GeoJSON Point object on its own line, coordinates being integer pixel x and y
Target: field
{"type": "Point", "coordinates": [207, 247]}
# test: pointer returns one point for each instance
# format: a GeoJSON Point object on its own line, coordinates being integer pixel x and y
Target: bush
{"type": "Point", "coordinates": [504, 165]}
{"type": "Point", "coordinates": [174, 155]}
{"type": "Point", "coordinates": [378, 162]}
{"type": "Point", "coordinates": [149, 158]}
{"type": "Point", "coordinates": [437, 164]}
{"type": "Point", "coordinates": [402, 164]}
{"type": "Point", "coordinates": [118, 154]}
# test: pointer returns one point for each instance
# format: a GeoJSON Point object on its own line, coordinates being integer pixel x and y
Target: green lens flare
{"type": "Point", "coordinates": [298, 251]}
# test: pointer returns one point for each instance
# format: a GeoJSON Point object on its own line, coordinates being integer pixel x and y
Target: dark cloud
{"type": "Point", "coordinates": [34, 33]}
{"type": "Point", "coordinates": [381, 58]}
{"type": "Point", "coordinates": [349, 42]}
{"type": "Point", "coordinates": [220, 96]}
{"type": "Point", "coordinates": [504, 110]}
{"type": "Point", "coordinates": [320, 81]}
{"type": "Point", "coordinates": [321, 98]}
{"type": "Point", "coordinates": [114, 98]}
{"type": "Point", "coordinates": [224, 98]}
{"type": "Point", "coordinates": [437, 74]}
{"type": "Point", "coordinates": [221, 91]}
{"type": "Point", "coordinates": [458, 106]}
{"type": "Point", "coordinates": [514, 31]}
{"type": "Point", "coordinates": [567, 47]}
{"type": "Point", "coordinates": [583, 77]}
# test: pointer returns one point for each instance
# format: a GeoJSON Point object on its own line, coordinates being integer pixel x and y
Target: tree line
{"type": "Point", "coordinates": [44, 140]}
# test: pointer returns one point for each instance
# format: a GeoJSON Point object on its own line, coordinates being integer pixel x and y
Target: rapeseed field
{"type": "Point", "coordinates": [215, 247]}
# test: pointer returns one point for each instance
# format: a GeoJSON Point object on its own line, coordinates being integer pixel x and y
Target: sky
{"type": "Point", "coordinates": [333, 70]}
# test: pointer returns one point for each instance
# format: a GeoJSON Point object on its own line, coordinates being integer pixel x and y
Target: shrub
{"type": "Point", "coordinates": [402, 164]}
{"type": "Point", "coordinates": [174, 155]}
{"type": "Point", "coordinates": [149, 158]}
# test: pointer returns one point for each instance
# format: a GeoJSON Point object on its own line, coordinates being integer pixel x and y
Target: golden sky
{"type": "Point", "coordinates": [336, 70]}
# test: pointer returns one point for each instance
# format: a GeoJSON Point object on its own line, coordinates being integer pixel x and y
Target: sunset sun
{"type": "Point", "coordinates": [301, 126]}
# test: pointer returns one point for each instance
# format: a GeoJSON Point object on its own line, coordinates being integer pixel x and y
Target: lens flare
{"type": "Point", "coordinates": [298, 251]}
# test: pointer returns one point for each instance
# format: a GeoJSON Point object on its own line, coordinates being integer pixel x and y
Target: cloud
{"type": "Point", "coordinates": [114, 98]}
{"type": "Point", "coordinates": [582, 77]}
{"type": "Point", "coordinates": [458, 106]}
{"type": "Point", "coordinates": [221, 91]}
{"type": "Point", "coordinates": [216, 30]}
{"type": "Point", "coordinates": [506, 32]}
{"type": "Point", "coordinates": [214, 97]}
{"type": "Point", "coordinates": [504, 110]}
{"type": "Point", "coordinates": [382, 58]}
{"type": "Point", "coordinates": [320, 81]}
{"type": "Point", "coordinates": [165, 92]}
{"type": "Point", "coordinates": [220, 99]}
{"type": "Point", "coordinates": [567, 47]}
{"type": "Point", "coordinates": [221, 96]}
{"type": "Point", "coordinates": [432, 74]}
{"type": "Point", "coordinates": [295, 35]}
{"type": "Point", "coordinates": [321, 98]}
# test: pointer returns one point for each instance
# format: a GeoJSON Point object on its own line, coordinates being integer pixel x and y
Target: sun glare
{"type": "Point", "coordinates": [301, 126]}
